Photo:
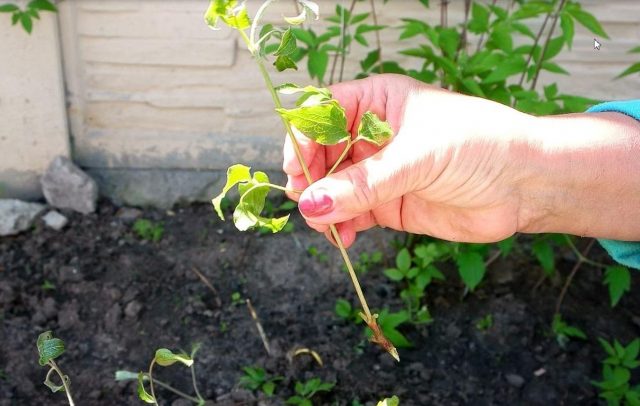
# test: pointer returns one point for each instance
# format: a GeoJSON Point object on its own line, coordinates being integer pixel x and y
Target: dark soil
{"type": "Point", "coordinates": [116, 298]}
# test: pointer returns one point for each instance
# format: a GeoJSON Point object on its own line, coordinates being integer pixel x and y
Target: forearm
{"type": "Point", "coordinates": [583, 176]}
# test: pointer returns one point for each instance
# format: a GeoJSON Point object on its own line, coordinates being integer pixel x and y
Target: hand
{"type": "Point", "coordinates": [452, 170]}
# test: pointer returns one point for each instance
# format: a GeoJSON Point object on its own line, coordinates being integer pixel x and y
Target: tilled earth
{"type": "Point", "coordinates": [114, 298]}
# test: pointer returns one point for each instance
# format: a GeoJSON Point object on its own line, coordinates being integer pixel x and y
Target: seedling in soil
{"type": "Point", "coordinates": [164, 358]}
{"type": "Point", "coordinates": [320, 256]}
{"type": "Point", "coordinates": [50, 348]}
{"type": "Point", "coordinates": [485, 323]}
{"type": "Point", "coordinates": [47, 285]}
{"type": "Point", "coordinates": [366, 261]}
{"type": "Point", "coordinates": [565, 332]}
{"type": "Point", "coordinates": [616, 373]}
{"type": "Point", "coordinates": [148, 230]}
{"type": "Point", "coordinates": [307, 390]}
{"type": "Point", "coordinates": [317, 116]}
{"type": "Point", "coordinates": [236, 299]}
{"type": "Point", "coordinates": [345, 311]}
{"type": "Point", "coordinates": [256, 378]}
{"type": "Point", "coordinates": [392, 401]}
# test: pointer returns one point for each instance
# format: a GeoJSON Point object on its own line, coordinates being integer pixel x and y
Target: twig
{"type": "Point", "coordinates": [535, 44]}
{"type": "Point", "coordinates": [492, 258]}
{"type": "Point", "coordinates": [343, 28]}
{"type": "Point", "coordinates": [546, 44]}
{"type": "Point", "coordinates": [443, 13]}
{"type": "Point", "coordinates": [263, 336]}
{"type": "Point", "coordinates": [463, 37]}
{"type": "Point", "coordinates": [581, 260]}
{"type": "Point", "coordinates": [374, 15]}
{"type": "Point", "coordinates": [481, 40]}
{"type": "Point", "coordinates": [216, 295]}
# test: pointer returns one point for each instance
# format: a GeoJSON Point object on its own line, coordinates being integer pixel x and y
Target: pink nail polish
{"type": "Point", "coordinates": [317, 204]}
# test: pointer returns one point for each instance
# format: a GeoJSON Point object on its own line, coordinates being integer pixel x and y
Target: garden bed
{"type": "Point", "coordinates": [114, 298]}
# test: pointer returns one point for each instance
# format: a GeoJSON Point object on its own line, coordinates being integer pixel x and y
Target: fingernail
{"type": "Point", "coordinates": [316, 203]}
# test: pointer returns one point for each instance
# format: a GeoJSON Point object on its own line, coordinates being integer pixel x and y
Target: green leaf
{"type": "Point", "coordinates": [394, 274]}
{"type": "Point", "coordinates": [165, 358]}
{"type": "Point", "coordinates": [374, 130]}
{"type": "Point", "coordinates": [287, 44]}
{"type": "Point", "coordinates": [551, 91]}
{"type": "Point", "coordinates": [471, 268]}
{"type": "Point", "coordinates": [506, 245]}
{"type": "Point", "coordinates": [473, 87]}
{"type": "Point", "coordinates": [235, 174]}
{"type": "Point", "coordinates": [9, 8]}
{"type": "Point", "coordinates": [44, 5]}
{"type": "Point", "coordinates": [324, 123]}
{"type": "Point", "coordinates": [403, 260]}
{"type": "Point", "coordinates": [553, 67]}
{"type": "Point", "coordinates": [568, 28]}
{"type": "Point", "coordinates": [449, 40]}
{"type": "Point", "coordinates": [505, 69]}
{"type": "Point", "coordinates": [226, 10]}
{"type": "Point", "coordinates": [27, 23]}
{"type": "Point", "coordinates": [392, 401]}
{"type": "Point", "coordinates": [269, 388]}
{"type": "Point", "coordinates": [501, 38]}
{"type": "Point", "coordinates": [317, 63]}
{"type": "Point", "coordinates": [587, 20]}
{"type": "Point", "coordinates": [544, 253]}
{"type": "Point", "coordinates": [479, 22]}
{"type": "Point", "coordinates": [618, 279]}
{"type": "Point", "coordinates": [372, 57]}
{"type": "Point", "coordinates": [630, 70]}
{"type": "Point", "coordinates": [142, 392]}
{"type": "Point", "coordinates": [283, 63]}
{"type": "Point", "coordinates": [49, 347]}
{"type": "Point", "coordinates": [554, 48]}
{"type": "Point", "coordinates": [343, 308]}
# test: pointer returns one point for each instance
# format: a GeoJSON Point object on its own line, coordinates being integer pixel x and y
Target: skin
{"type": "Point", "coordinates": [467, 169]}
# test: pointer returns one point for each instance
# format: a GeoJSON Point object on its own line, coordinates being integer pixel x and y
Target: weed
{"type": "Point", "coordinates": [485, 323]}
{"type": "Point", "coordinates": [615, 387]}
{"type": "Point", "coordinates": [366, 262]}
{"type": "Point", "coordinates": [344, 310]}
{"type": "Point", "coordinates": [236, 299]}
{"type": "Point", "coordinates": [47, 285]}
{"type": "Point", "coordinates": [322, 257]}
{"type": "Point", "coordinates": [256, 378]}
{"type": "Point", "coordinates": [148, 230]}
{"type": "Point", "coordinates": [307, 390]}
{"type": "Point", "coordinates": [565, 332]}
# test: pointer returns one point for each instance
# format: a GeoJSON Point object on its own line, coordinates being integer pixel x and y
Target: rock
{"type": "Point", "coordinates": [112, 318]}
{"type": "Point", "coordinates": [68, 316]}
{"type": "Point", "coordinates": [132, 309]}
{"type": "Point", "coordinates": [55, 220]}
{"type": "Point", "coordinates": [69, 274]}
{"type": "Point", "coordinates": [128, 214]}
{"type": "Point", "coordinates": [17, 216]}
{"type": "Point", "coordinates": [66, 186]}
{"type": "Point", "coordinates": [515, 380]}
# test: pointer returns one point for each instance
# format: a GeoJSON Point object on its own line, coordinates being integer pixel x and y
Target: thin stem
{"type": "Point", "coordinates": [174, 390]}
{"type": "Point", "coordinates": [581, 260]}
{"type": "Point", "coordinates": [481, 40]}
{"type": "Point", "coordinates": [65, 384]}
{"type": "Point", "coordinates": [254, 25]}
{"type": "Point", "coordinates": [535, 44]}
{"type": "Point", "coordinates": [374, 15]}
{"type": "Point", "coordinates": [342, 156]}
{"type": "Point", "coordinates": [443, 13]}
{"type": "Point", "coordinates": [581, 256]}
{"type": "Point", "coordinates": [465, 23]}
{"type": "Point", "coordinates": [200, 399]}
{"type": "Point", "coordinates": [150, 375]}
{"type": "Point", "coordinates": [341, 44]}
{"type": "Point", "coordinates": [546, 44]}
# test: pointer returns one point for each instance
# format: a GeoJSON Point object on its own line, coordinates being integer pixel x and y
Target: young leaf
{"type": "Point", "coordinates": [619, 281]}
{"type": "Point", "coordinates": [587, 20]}
{"type": "Point", "coordinates": [252, 199]}
{"type": "Point", "coordinates": [27, 23]}
{"type": "Point", "coordinates": [471, 268]}
{"type": "Point", "coordinates": [374, 130]}
{"type": "Point", "coordinates": [317, 64]}
{"type": "Point", "coordinates": [630, 70]}
{"type": "Point", "coordinates": [343, 308]}
{"type": "Point", "coordinates": [142, 392]}
{"type": "Point", "coordinates": [394, 274]}
{"type": "Point", "coordinates": [235, 174]}
{"type": "Point", "coordinates": [568, 29]}
{"type": "Point", "coordinates": [48, 347]}
{"type": "Point", "coordinates": [325, 123]}
{"type": "Point", "coordinates": [506, 246]}
{"type": "Point", "coordinates": [403, 260]}
{"type": "Point", "coordinates": [44, 5]}
{"type": "Point", "coordinates": [8, 8]}
{"type": "Point", "coordinates": [544, 253]}
{"type": "Point", "coordinates": [226, 10]}
{"type": "Point", "coordinates": [165, 358]}
{"type": "Point", "coordinates": [392, 401]}
{"type": "Point", "coordinates": [287, 44]}
{"type": "Point", "coordinates": [284, 62]}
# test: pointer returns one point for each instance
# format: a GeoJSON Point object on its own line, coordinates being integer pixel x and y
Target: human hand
{"type": "Point", "coordinates": [451, 171]}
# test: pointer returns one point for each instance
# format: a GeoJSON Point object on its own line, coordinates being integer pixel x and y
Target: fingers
{"type": "Point", "coordinates": [361, 187]}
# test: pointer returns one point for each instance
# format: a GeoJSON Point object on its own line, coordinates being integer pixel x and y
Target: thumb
{"type": "Point", "coordinates": [361, 187]}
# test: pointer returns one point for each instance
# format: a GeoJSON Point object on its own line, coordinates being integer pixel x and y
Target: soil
{"type": "Point", "coordinates": [114, 298]}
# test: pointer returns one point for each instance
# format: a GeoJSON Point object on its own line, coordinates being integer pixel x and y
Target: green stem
{"type": "Point", "coordinates": [307, 174]}
{"type": "Point", "coordinates": [174, 390]}
{"type": "Point", "coordinates": [342, 156]}
{"type": "Point", "coordinates": [582, 257]}
{"type": "Point", "coordinates": [195, 384]}
{"type": "Point", "coordinates": [65, 385]}
{"type": "Point", "coordinates": [150, 375]}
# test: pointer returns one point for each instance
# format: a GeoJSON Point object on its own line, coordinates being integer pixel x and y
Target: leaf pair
{"type": "Point", "coordinates": [253, 191]}
{"type": "Point", "coordinates": [229, 12]}
{"type": "Point", "coordinates": [322, 119]}
{"type": "Point", "coordinates": [163, 357]}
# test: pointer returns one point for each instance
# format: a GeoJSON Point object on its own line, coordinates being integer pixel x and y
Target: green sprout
{"type": "Point", "coordinates": [50, 348]}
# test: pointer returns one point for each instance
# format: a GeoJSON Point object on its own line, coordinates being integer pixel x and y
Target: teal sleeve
{"type": "Point", "coordinates": [624, 252]}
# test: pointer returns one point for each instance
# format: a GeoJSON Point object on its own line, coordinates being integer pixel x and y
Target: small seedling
{"type": "Point", "coordinates": [565, 332]}
{"type": "Point", "coordinates": [164, 358]}
{"type": "Point", "coordinates": [345, 311]}
{"type": "Point", "coordinates": [47, 285]}
{"type": "Point", "coordinates": [148, 230]}
{"type": "Point", "coordinates": [50, 348]}
{"type": "Point", "coordinates": [322, 257]}
{"type": "Point", "coordinates": [256, 378]}
{"type": "Point", "coordinates": [316, 115]}
{"type": "Point", "coordinates": [366, 262]}
{"type": "Point", "coordinates": [485, 323]}
{"type": "Point", "coordinates": [236, 299]}
{"type": "Point", "coordinates": [307, 390]}
{"type": "Point", "coordinates": [616, 373]}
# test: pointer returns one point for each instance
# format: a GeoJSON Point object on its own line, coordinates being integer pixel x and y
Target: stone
{"type": "Point", "coordinates": [128, 214]}
{"type": "Point", "coordinates": [132, 309]}
{"type": "Point", "coordinates": [65, 186]}
{"type": "Point", "coordinates": [55, 220]}
{"type": "Point", "coordinates": [17, 216]}
{"type": "Point", "coordinates": [69, 274]}
{"type": "Point", "coordinates": [68, 317]}
{"type": "Point", "coordinates": [112, 317]}
{"type": "Point", "coordinates": [515, 380]}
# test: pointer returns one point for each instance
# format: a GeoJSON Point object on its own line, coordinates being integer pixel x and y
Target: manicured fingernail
{"type": "Point", "coordinates": [316, 203]}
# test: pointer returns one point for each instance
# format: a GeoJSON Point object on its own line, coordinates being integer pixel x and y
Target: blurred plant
{"type": "Point", "coordinates": [305, 391]}
{"type": "Point", "coordinates": [485, 323]}
{"type": "Point", "coordinates": [565, 332]}
{"type": "Point", "coordinates": [256, 378]}
{"type": "Point", "coordinates": [148, 230]}
{"type": "Point", "coordinates": [29, 13]}
{"type": "Point", "coordinates": [635, 68]}
{"type": "Point", "coordinates": [345, 311]}
{"type": "Point", "coordinates": [616, 373]}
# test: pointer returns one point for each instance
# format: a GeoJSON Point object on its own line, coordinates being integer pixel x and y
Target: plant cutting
{"type": "Point", "coordinates": [316, 115]}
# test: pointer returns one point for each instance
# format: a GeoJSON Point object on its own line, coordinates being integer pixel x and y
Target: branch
{"type": "Point", "coordinates": [546, 44]}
